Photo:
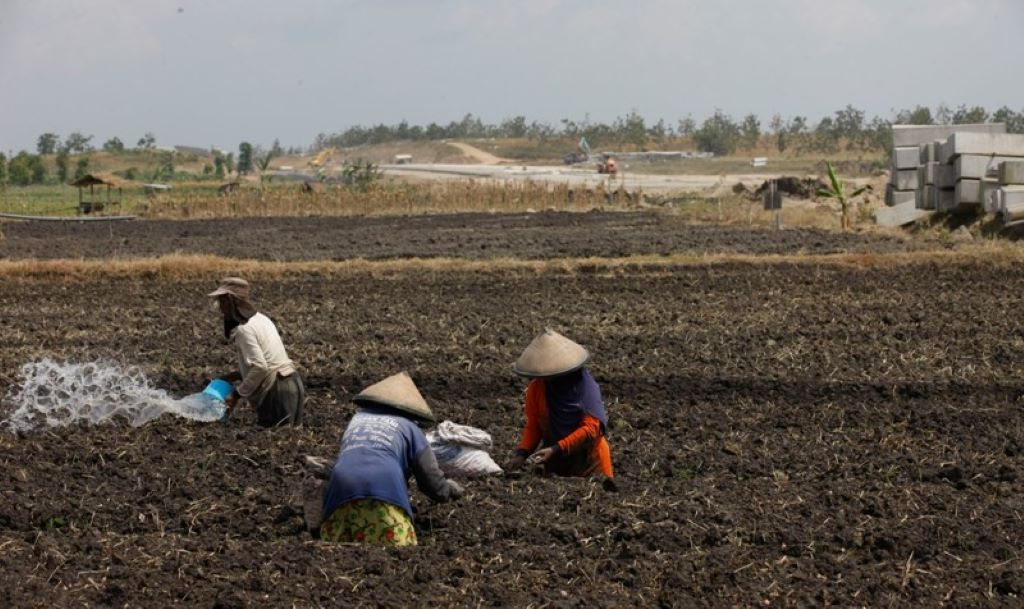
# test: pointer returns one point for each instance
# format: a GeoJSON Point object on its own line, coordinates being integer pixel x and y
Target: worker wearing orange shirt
{"type": "Point", "coordinates": [565, 416]}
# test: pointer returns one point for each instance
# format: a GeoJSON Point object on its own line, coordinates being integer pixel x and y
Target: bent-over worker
{"type": "Point", "coordinates": [266, 377]}
{"type": "Point", "coordinates": [565, 416]}
{"type": "Point", "coordinates": [367, 498]}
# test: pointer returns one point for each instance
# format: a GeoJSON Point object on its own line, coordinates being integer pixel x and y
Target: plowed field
{"type": "Point", "coordinates": [785, 434]}
{"type": "Point", "coordinates": [473, 236]}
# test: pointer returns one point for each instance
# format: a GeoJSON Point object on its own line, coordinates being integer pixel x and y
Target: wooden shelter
{"type": "Point", "coordinates": [96, 199]}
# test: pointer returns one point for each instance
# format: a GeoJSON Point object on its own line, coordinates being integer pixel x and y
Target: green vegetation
{"type": "Point", "coordinates": [846, 129]}
{"type": "Point", "coordinates": [837, 191]}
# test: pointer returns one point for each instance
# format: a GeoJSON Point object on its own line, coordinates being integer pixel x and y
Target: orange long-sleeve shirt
{"type": "Point", "coordinates": [588, 436]}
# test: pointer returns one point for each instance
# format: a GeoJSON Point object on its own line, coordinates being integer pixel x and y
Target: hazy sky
{"type": "Point", "coordinates": [216, 72]}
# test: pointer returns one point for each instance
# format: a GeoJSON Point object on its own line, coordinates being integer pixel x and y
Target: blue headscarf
{"type": "Point", "coordinates": [570, 397]}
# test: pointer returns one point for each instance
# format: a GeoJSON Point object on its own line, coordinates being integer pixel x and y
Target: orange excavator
{"type": "Point", "coordinates": [607, 165]}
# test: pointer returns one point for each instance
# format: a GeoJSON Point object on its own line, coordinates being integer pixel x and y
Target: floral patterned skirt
{"type": "Point", "coordinates": [369, 521]}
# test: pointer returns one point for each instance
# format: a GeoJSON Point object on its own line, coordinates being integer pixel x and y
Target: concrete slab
{"type": "Point", "coordinates": [900, 215]}
{"type": "Point", "coordinates": [945, 176]}
{"type": "Point", "coordinates": [944, 199]}
{"type": "Point", "coordinates": [1011, 195]}
{"type": "Point", "coordinates": [926, 197]}
{"type": "Point", "coordinates": [926, 174]}
{"type": "Point", "coordinates": [915, 135]}
{"type": "Point", "coordinates": [905, 179]}
{"type": "Point", "coordinates": [1011, 173]}
{"type": "Point", "coordinates": [976, 167]}
{"type": "Point", "coordinates": [906, 158]}
{"type": "Point", "coordinates": [899, 197]}
{"type": "Point", "coordinates": [991, 196]}
{"type": "Point", "coordinates": [967, 193]}
{"type": "Point", "coordinates": [927, 152]}
{"type": "Point", "coordinates": [1000, 144]}
{"type": "Point", "coordinates": [944, 153]}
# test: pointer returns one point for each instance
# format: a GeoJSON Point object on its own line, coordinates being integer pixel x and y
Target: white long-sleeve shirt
{"type": "Point", "coordinates": [261, 357]}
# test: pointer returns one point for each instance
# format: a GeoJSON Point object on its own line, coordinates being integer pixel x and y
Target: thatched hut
{"type": "Point", "coordinates": [96, 199]}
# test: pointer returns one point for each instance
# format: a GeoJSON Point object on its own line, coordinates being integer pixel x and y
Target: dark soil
{"type": "Point", "coordinates": [788, 434]}
{"type": "Point", "coordinates": [476, 236]}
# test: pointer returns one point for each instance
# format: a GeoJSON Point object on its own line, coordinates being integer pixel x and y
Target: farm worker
{"type": "Point", "coordinates": [266, 378]}
{"type": "Point", "coordinates": [565, 416]}
{"type": "Point", "coordinates": [367, 497]}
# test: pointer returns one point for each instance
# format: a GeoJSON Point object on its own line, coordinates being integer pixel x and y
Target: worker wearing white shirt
{"type": "Point", "coordinates": [266, 378]}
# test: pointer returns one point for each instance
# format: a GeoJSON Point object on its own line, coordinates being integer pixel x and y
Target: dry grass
{"type": "Point", "coordinates": [183, 267]}
{"type": "Point", "coordinates": [389, 198]}
{"type": "Point", "coordinates": [475, 196]}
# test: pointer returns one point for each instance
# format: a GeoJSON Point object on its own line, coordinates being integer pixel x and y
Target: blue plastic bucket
{"type": "Point", "coordinates": [218, 389]}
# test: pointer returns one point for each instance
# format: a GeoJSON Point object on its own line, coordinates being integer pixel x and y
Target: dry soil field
{"type": "Point", "coordinates": [786, 433]}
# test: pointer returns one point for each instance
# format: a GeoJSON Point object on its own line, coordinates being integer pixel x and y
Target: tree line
{"type": "Point", "coordinates": [26, 168]}
{"type": "Point", "coordinates": [848, 129]}
{"type": "Point", "coordinates": [720, 133]}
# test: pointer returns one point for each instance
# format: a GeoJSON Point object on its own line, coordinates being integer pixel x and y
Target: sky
{"type": "Point", "coordinates": [215, 73]}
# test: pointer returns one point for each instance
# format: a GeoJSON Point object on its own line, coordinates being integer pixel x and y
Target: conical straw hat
{"type": "Point", "coordinates": [550, 354]}
{"type": "Point", "coordinates": [398, 392]}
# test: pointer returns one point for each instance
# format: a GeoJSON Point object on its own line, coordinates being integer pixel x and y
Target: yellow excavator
{"type": "Point", "coordinates": [323, 157]}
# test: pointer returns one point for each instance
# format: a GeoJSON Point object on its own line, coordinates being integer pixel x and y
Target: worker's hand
{"type": "Point", "coordinates": [516, 463]}
{"type": "Point", "coordinates": [542, 455]}
{"type": "Point", "coordinates": [231, 400]}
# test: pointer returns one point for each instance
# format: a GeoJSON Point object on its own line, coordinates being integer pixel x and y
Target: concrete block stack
{"type": "Point", "coordinates": [922, 171]}
{"type": "Point", "coordinates": [976, 158]}
{"type": "Point", "coordinates": [1009, 197]}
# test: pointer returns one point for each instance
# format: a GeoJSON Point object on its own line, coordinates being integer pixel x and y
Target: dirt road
{"type": "Point", "coordinates": [479, 155]}
{"type": "Point", "coordinates": [574, 177]}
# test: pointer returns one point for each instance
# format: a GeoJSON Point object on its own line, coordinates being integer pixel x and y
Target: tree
{"type": "Point", "coordinates": [276, 149]}
{"type": "Point", "coordinates": [229, 162]}
{"type": "Point", "coordinates": [3, 170]}
{"type": "Point", "coordinates": [1014, 120]}
{"type": "Point", "coordinates": [782, 140]}
{"type": "Point", "coordinates": [687, 126]}
{"type": "Point", "coordinates": [751, 130]}
{"type": "Point", "coordinates": [147, 141]}
{"type": "Point", "coordinates": [25, 169]}
{"type": "Point", "coordinates": [837, 191]}
{"type": "Point", "coordinates": [76, 142]}
{"type": "Point", "coordinates": [218, 165]}
{"type": "Point", "coordinates": [81, 167]}
{"type": "Point", "coordinates": [849, 124]}
{"type": "Point", "coordinates": [47, 143]}
{"type": "Point", "coordinates": [920, 115]}
{"type": "Point", "coordinates": [244, 158]}
{"type": "Point", "coordinates": [965, 116]}
{"type": "Point", "coordinates": [62, 165]}
{"type": "Point", "coordinates": [514, 127]}
{"type": "Point", "coordinates": [114, 144]}
{"type": "Point", "coordinates": [658, 130]}
{"type": "Point", "coordinates": [717, 134]}
{"type": "Point", "coordinates": [633, 130]}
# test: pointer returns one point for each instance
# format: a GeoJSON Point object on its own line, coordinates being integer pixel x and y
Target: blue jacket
{"type": "Point", "coordinates": [379, 451]}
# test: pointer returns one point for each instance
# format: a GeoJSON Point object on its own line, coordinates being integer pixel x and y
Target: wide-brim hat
{"type": "Point", "coordinates": [549, 355]}
{"type": "Point", "coordinates": [398, 392]}
{"type": "Point", "coordinates": [234, 286]}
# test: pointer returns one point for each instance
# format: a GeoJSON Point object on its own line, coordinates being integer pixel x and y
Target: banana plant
{"type": "Point", "coordinates": [838, 192]}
